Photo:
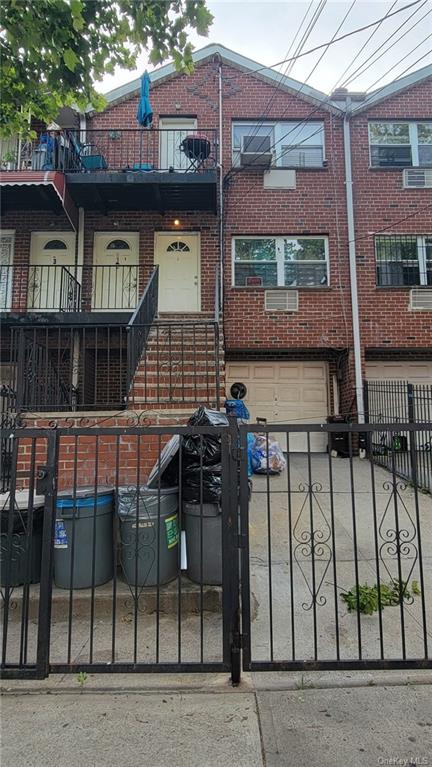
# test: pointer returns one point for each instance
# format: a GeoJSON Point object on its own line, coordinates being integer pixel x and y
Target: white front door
{"type": "Point", "coordinates": [115, 271]}
{"type": "Point", "coordinates": [172, 132]}
{"type": "Point", "coordinates": [50, 254]}
{"type": "Point", "coordinates": [7, 240]}
{"type": "Point", "coordinates": [178, 257]}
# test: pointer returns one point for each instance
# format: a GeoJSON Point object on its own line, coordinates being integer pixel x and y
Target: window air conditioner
{"type": "Point", "coordinates": [256, 152]}
{"type": "Point", "coordinates": [421, 299]}
{"type": "Point", "coordinates": [417, 178]}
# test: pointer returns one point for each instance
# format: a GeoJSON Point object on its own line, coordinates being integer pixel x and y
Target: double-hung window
{"type": "Point", "coordinates": [292, 143]}
{"type": "Point", "coordinates": [403, 260]}
{"type": "Point", "coordinates": [400, 144]}
{"type": "Point", "coordinates": [280, 262]}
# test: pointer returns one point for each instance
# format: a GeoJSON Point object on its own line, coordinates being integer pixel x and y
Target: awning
{"type": "Point", "coordinates": [38, 190]}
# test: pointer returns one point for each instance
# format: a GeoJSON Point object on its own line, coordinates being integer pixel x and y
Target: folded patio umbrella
{"type": "Point", "coordinates": [145, 112]}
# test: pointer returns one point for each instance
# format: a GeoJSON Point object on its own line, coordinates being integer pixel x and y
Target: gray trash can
{"type": "Point", "coordinates": [76, 520]}
{"type": "Point", "coordinates": [21, 561]}
{"type": "Point", "coordinates": [211, 542]}
{"type": "Point", "coordinates": [139, 546]}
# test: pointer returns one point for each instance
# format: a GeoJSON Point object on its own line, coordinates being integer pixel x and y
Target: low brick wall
{"type": "Point", "coordinates": [91, 457]}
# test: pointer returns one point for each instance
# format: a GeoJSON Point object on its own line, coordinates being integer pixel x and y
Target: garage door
{"type": "Point", "coordinates": [285, 392]}
{"type": "Point", "coordinates": [414, 372]}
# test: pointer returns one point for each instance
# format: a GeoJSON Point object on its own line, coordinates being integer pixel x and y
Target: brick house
{"type": "Point", "coordinates": [237, 194]}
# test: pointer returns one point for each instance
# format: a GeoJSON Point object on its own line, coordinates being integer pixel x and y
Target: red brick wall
{"type": "Point", "coordinates": [379, 199]}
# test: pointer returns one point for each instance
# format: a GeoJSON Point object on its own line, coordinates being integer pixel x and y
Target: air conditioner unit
{"type": "Point", "coordinates": [281, 300]}
{"type": "Point", "coordinates": [417, 178]}
{"type": "Point", "coordinates": [255, 152]}
{"type": "Point", "coordinates": [421, 299]}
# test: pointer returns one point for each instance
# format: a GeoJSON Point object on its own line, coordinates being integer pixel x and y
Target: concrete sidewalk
{"type": "Point", "coordinates": [271, 720]}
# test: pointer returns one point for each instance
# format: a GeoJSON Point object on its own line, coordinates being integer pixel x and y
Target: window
{"type": "Point", "coordinates": [178, 247]}
{"type": "Point", "coordinates": [280, 262]}
{"type": "Point", "coordinates": [403, 260]}
{"type": "Point", "coordinates": [293, 144]}
{"type": "Point", "coordinates": [400, 144]}
{"type": "Point", "coordinates": [55, 245]}
{"type": "Point", "coordinates": [118, 245]}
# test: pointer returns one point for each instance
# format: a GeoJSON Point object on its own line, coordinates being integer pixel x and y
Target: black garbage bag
{"type": "Point", "coordinates": [209, 478]}
{"type": "Point", "coordinates": [201, 459]}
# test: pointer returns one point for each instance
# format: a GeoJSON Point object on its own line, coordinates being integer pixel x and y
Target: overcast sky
{"type": "Point", "coordinates": [264, 31]}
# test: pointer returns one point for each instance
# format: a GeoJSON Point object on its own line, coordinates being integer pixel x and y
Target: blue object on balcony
{"type": "Point", "coordinates": [93, 162]}
{"type": "Point", "coordinates": [145, 112]}
{"type": "Point", "coordinates": [142, 166]}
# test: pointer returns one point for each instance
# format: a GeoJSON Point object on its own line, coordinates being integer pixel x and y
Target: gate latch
{"type": "Point", "coordinates": [42, 483]}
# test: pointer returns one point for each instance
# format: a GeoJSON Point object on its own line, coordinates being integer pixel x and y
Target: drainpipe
{"type": "Point", "coordinates": [220, 166]}
{"type": "Point", "coordinates": [353, 265]}
{"type": "Point", "coordinates": [76, 333]}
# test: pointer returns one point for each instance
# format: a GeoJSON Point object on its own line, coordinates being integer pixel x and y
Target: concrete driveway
{"type": "Point", "coordinates": [354, 517]}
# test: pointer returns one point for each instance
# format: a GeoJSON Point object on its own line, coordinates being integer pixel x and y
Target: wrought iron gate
{"type": "Point", "coordinates": [327, 565]}
{"type": "Point", "coordinates": [337, 555]}
{"type": "Point", "coordinates": [66, 625]}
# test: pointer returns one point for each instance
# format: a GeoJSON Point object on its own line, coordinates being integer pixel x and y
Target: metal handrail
{"type": "Point", "coordinates": [139, 325]}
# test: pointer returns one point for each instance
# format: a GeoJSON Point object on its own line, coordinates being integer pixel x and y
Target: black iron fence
{"type": "Point", "coordinates": [141, 570]}
{"type": "Point", "coordinates": [336, 561]}
{"type": "Point", "coordinates": [139, 325]}
{"type": "Point", "coordinates": [96, 580]}
{"type": "Point", "coordinates": [134, 149]}
{"type": "Point", "coordinates": [401, 402]}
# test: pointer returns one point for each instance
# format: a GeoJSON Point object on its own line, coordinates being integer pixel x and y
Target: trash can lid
{"type": "Point", "coordinates": [21, 501]}
{"type": "Point", "coordinates": [87, 491]}
{"type": "Point", "coordinates": [146, 490]}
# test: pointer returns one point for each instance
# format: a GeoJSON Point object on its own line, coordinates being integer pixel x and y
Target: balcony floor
{"type": "Point", "coordinates": [149, 190]}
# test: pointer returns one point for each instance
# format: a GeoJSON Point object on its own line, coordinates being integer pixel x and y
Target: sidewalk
{"type": "Point", "coordinates": [271, 720]}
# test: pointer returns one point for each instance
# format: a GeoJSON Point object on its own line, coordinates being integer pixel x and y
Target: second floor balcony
{"type": "Point", "coordinates": [71, 289]}
{"type": "Point", "coordinates": [124, 169]}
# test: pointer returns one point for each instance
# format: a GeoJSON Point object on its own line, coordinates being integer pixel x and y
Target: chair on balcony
{"type": "Point", "coordinates": [197, 149]}
{"type": "Point", "coordinates": [88, 156]}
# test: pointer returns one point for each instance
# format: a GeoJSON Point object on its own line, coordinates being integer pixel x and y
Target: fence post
{"type": "Point", "coordinates": [411, 407]}
{"type": "Point", "coordinates": [368, 440]}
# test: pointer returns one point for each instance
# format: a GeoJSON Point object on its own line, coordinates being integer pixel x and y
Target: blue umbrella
{"type": "Point", "coordinates": [145, 112]}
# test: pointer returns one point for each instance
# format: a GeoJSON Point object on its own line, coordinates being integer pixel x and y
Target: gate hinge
{"type": "Point", "coordinates": [241, 541]}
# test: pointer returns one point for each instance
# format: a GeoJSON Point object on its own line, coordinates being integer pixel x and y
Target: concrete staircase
{"type": "Point", "coordinates": [182, 366]}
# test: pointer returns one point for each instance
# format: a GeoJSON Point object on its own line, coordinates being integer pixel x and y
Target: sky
{"type": "Point", "coordinates": [264, 32]}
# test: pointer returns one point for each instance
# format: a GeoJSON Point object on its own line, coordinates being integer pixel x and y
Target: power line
{"type": "Point", "coordinates": [371, 60]}
{"type": "Point", "coordinates": [374, 94]}
{"type": "Point", "coordinates": [336, 40]}
{"type": "Point", "coordinates": [427, 38]}
{"type": "Point", "coordinates": [306, 35]}
{"type": "Point", "coordinates": [393, 223]}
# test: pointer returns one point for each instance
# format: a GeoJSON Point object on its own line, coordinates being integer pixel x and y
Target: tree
{"type": "Point", "coordinates": [54, 51]}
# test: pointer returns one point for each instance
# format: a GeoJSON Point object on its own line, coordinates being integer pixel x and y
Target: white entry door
{"type": "Point", "coordinates": [178, 257]}
{"type": "Point", "coordinates": [115, 271]}
{"type": "Point", "coordinates": [173, 131]}
{"type": "Point", "coordinates": [6, 260]}
{"type": "Point", "coordinates": [50, 254]}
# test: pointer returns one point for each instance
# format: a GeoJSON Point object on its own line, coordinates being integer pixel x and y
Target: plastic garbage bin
{"type": "Point", "coordinates": [139, 545]}
{"type": "Point", "coordinates": [211, 521]}
{"type": "Point", "coordinates": [82, 524]}
{"type": "Point", "coordinates": [21, 563]}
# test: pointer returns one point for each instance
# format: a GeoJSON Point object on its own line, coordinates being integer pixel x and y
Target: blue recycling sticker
{"type": "Point", "coordinates": [60, 535]}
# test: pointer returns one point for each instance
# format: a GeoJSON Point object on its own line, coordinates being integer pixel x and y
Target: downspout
{"type": "Point", "coordinates": [221, 206]}
{"type": "Point", "coordinates": [353, 265]}
{"type": "Point", "coordinates": [76, 333]}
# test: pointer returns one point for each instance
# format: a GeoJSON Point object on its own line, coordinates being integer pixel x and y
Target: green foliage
{"type": "Point", "coordinates": [82, 678]}
{"type": "Point", "coordinates": [53, 51]}
{"type": "Point", "coordinates": [366, 599]}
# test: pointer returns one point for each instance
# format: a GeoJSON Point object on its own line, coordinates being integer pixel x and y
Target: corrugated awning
{"type": "Point", "coordinates": [53, 182]}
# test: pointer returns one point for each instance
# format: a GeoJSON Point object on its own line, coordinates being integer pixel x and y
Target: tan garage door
{"type": "Point", "coordinates": [285, 392]}
{"type": "Point", "coordinates": [414, 372]}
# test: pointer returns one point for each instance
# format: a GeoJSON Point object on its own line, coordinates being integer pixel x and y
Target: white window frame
{"type": "Point", "coordinates": [279, 128]}
{"type": "Point", "coordinates": [421, 258]}
{"type": "Point", "coordinates": [413, 140]}
{"type": "Point", "coordinates": [280, 260]}
{"type": "Point", "coordinates": [9, 233]}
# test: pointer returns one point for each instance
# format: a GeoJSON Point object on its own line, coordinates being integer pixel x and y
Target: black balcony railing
{"type": "Point", "coordinates": [139, 325]}
{"type": "Point", "coordinates": [132, 149]}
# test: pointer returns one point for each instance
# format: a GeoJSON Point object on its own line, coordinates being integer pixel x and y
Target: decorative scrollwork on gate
{"type": "Point", "coordinates": [312, 533]}
{"type": "Point", "coordinates": [398, 542]}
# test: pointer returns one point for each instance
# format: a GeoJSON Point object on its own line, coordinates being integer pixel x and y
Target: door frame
{"type": "Point", "coordinates": [52, 234]}
{"type": "Point", "coordinates": [117, 235]}
{"type": "Point", "coordinates": [184, 233]}
{"type": "Point", "coordinates": [164, 124]}
{"type": "Point", "coordinates": [8, 297]}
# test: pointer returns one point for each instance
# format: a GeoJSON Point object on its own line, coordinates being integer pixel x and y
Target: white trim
{"type": "Point", "coordinates": [230, 57]}
{"type": "Point", "coordinates": [10, 235]}
{"type": "Point", "coordinates": [382, 93]}
{"type": "Point", "coordinates": [280, 261]}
